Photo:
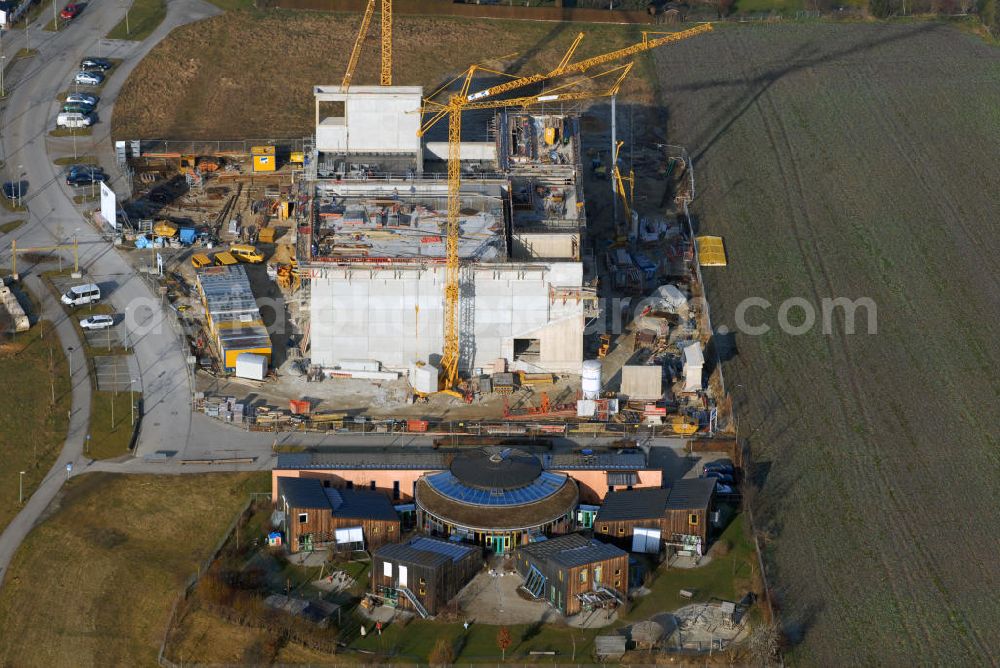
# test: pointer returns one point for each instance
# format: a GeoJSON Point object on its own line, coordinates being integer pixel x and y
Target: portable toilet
{"type": "Point", "coordinates": [263, 159]}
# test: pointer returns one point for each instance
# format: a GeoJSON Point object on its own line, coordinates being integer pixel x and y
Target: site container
{"type": "Point", "coordinates": [224, 259]}
{"type": "Point", "coordinates": [249, 365]}
{"type": "Point", "coordinates": [263, 158]}
{"type": "Point", "coordinates": [416, 425]}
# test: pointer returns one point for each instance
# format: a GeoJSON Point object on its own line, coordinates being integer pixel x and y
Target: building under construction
{"type": "Point", "coordinates": [378, 241]}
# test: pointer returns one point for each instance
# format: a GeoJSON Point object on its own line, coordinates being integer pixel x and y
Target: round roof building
{"type": "Point", "coordinates": [497, 496]}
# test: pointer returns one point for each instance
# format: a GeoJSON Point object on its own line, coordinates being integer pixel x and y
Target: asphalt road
{"type": "Point", "coordinates": [29, 114]}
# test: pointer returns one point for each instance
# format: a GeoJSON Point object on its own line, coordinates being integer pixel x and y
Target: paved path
{"type": "Point", "coordinates": [29, 114]}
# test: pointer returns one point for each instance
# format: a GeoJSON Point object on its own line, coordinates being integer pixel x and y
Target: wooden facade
{"type": "Point", "coordinates": [581, 568]}
{"type": "Point", "coordinates": [680, 511]}
{"type": "Point", "coordinates": [689, 522]}
{"type": "Point", "coordinates": [433, 577]}
{"type": "Point", "coordinates": [320, 524]}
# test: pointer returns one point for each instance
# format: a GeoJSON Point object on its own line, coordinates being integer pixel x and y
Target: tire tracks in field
{"type": "Point", "coordinates": [795, 194]}
{"type": "Point", "coordinates": [907, 149]}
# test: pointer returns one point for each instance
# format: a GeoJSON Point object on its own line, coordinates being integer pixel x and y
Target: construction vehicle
{"type": "Point", "coordinates": [602, 350]}
{"type": "Point", "coordinates": [464, 100]}
{"type": "Point", "coordinates": [224, 259]}
{"type": "Point", "coordinates": [165, 229]}
{"type": "Point", "coordinates": [246, 253]}
{"type": "Point", "coordinates": [622, 227]}
{"type": "Point", "coordinates": [200, 260]}
{"type": "Point", "coordinates": [385, 78]}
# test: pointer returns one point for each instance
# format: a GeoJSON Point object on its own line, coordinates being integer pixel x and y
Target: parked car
{"type": "Point", "coordinates": [73, 120]}
{"type": "Point", "coordinates": [89, 78]}
{"type": "Point", "coordinates": [70, 12]}
{"type": "Point", "coordinates": [246, 253]}
{"type": "Point", "coordinates": [79, 295]}
{"type": "Point", "coordinates": [81, 98]}
{"type": "Point", "coordinates": [77, 108]}
{"type": "Point", "coordinates": [76, 170]}
{"type": "Point", "coordinates": [724, 478]}
{"type": "Point", "coordinates": [86, 178]}
{"type": "Point", "coordinates": [723, 489]}
{"type": "Point", "coordinates": [97, 322]}
{"type": "Point", "coordinates": [100, 64]}
{"type": "Point", "coordinates": [720, 466]}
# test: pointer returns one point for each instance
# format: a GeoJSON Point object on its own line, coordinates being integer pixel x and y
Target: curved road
{"type": "Point", "coordinates": [28, 151]}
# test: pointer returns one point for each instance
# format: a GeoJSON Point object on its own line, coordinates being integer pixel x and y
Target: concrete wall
{"type": "Point", "coordinates": [534, 245]}
{"type": "Point", "coordinates": [377, 120]}
{"type": "Point", "coordinates": [470, 150]}
{"type": "Point", "coordinates": [396, 316]}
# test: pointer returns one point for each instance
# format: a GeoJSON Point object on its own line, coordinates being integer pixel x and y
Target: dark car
{"type": "Point", "coordinates": [724, 478]}
{"type": "Point", "coordinates": [86, 178]}
{"type": "Point", "coordinates": [84, 169]}
{"type": "Point", "coordinates": [70, 12]}
{"type": "Point", "coordinates": [10, 189]}
{"type": "Point", "coordinates": [99, 64]}
{"type": "Point", "coordinates": [720, 467]}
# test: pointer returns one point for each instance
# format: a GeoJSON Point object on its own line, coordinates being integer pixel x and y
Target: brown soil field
{"type": "Point", "coordinates": [249, 75]}
{"type": "Point", "coordinates": [93, 584]}
{"type": "Point", "coordinates": [860, 161]}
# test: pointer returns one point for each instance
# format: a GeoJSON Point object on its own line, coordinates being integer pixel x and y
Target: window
{"type": "Point", "coordinates": [395, 490]}
{"type": "Point", "coordinates": [527, 349]}
{"type": "Point", "coordinates": [376, 529]}
{"type": "Point", "coordinates": [621, 530]}
{"type": "Point", "coordinates": [618, 584]}
{"type": "Point", "coordinates": [598, 571]}
{"type": "Point", "coordinates": [303, 518]}
{"type": "Point", "coordinates": [390, 528]}
{"type": "Point", "coordinates": [693, 519]}
{"type": "Point", "coordinates": [422, 581]}
{"type": "Point", "coordinates": [611, 488]}
{"type": "Point", "coordinates": [423, 592]}
{"type": "Point", "coordinates": [583, 576]}
{"type": "Point", "coordinates": [604, 528]}
{"type": "Point", "coordinates": [618, 571]}
{"type": "Point", "coordinates": [560, 576]}
{"type": "Point", "coordinates": [372, 485]}
{"type": "Point", "coordinates": [350, 484]}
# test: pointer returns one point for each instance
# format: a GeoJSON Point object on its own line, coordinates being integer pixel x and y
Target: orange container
{"type": "Point", "coordinates": [416, 425]}
{"type": "Point", "coordinates": [298, 407]}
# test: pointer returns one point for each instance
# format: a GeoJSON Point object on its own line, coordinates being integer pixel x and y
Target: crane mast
{"type": "Point", "coordinates": [385, 76]}
{"type": "Point", "coordinates": [458, 103]}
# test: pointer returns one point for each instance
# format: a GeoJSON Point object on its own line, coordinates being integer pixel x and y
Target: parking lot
{"type": "Point", "coordinates": [115, 372]}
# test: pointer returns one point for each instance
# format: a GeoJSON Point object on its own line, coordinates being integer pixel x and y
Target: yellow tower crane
{"type": "Point", "coordinates": [462, 101]}
{"type": "Point", "coordinates": [385, 78]}
{"type": "Point", "coordinates": [626, 197]}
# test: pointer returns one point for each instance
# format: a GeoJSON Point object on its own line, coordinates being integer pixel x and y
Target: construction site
{"type": "Point", "coordinates": [471, 248]}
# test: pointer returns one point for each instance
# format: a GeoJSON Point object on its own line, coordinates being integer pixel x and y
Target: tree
{"type": "Point", "coordinates": [764, 642]}
{"type": "Point", "coordinates": [503, 641]}
{"type": "Point", "coordinates": [442, 655]}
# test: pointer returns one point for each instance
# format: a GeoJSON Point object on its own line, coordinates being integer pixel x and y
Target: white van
{"type": "Point", "coordinates": [79, 295]}
{"type": "Point", "coordinates": [73, 120]}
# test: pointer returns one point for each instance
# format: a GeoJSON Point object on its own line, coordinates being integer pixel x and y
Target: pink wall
{"type": "Point", "coordinates": [593, 484]}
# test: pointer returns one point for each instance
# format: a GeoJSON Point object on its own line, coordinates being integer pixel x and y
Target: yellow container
{"type": "Point", "coordinates": [231, 355]}
{"type": "Point", "coordinates": [200, 260]}
{"type": "Point", "coordinates": [263, 159]}
{"type": "Point", "coordinates": [224, 259]}
{"type": "Point", "coordinates": [297, 157]}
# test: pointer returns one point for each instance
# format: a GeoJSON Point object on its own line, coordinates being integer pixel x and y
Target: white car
{"type": "Point", "coordinates": [89, 78]}
{"type": "Point", "coordinates": [81, 98]}
{"type": "Point", "coordinates": [97, 322]}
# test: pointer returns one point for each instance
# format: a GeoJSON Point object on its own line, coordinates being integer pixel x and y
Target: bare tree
{"type": "Point", "coordinates": [764, 642]}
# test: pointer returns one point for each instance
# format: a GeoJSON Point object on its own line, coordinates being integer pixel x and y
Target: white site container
{"type": "Point", "coordinates": [694, 360]}
{"type": "Point", "coordinates": [251, 366]}
{"type": "Point", "coordinates": [424, 378]}
{"type": "Point", "coordinates": [591, 383]}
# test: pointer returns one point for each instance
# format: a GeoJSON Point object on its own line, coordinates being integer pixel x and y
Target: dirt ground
{"type": "Point", "coordinates": [859, 161]}
{"type": "Point", "coordinates": [260, 67]}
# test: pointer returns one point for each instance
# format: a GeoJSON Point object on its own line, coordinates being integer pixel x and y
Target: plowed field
{"type": "Point", "coordinates": [861, 161]}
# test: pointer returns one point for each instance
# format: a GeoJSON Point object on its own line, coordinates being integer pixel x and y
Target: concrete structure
{"type": "Point", "coordinates": [368, 120]}
{"type": "Point", "coordinates": [644, 383]}
{"type": "Point", "coordinates": [377, 272]}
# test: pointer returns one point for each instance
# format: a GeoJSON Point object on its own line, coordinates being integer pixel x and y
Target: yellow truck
{"type": "Point", "coordinates": [246, 253]}
{"type": "Point", "coordinates": [224, 259]}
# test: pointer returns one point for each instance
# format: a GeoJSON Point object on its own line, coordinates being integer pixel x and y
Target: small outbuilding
{"type": "Point", "coordinates": [642, 382]}
{"type": "Point", "coordinates": [643, 519]}
{"type": "Point", "coordinates": [316, 515]}
{"type": "Point", "coordinates": [574, 573]}
{"type": "Point", "coordinates": [423, 574]}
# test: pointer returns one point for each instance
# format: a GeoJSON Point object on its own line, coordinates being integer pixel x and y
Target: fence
{"type": "Point", "coordinates": [203, 567]}
{"type": "Point", "coordinates": [516, 11]}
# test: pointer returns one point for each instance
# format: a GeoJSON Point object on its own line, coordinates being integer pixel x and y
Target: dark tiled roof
{"type": "Point", "coordinates": [424, 551]}
{"type": "Point", "coordinates": [348, 503]}
{"type": "Point", "coordinates": [429, 460]}
{"type": "Point", "coordinates": [691, 494]}
{"type": "Point", "coordinates": [364, 505]}
{"type": "Point", "coordinates": [303, 492]}
{"type": "Point", "coordinates": [633, 504]}
{"type": "Point", "coordinates": [572, 550]}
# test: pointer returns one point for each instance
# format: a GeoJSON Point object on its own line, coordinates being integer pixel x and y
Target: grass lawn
{"type": "Point", "coordinates": [83, 199]}
{"type": "Point", "coordinates": [231, 5]}
{"type": "Point", "coordinates": [727, 577]}
{"type": "Point", "coordinates": [70, 160]}
{"type": "Point", "coordinates": [143, 18]}
{"type": "Point", "coordinates": [10, 205]}
{"type": "Point", "coordinates": [32, 427]}
{"type": "Point", "coordinates": [93, 584]}
{"type": "Point", "coordinates": [110, 424]}
{"type": "Point", "coordinates": [69, 132]}
{"type": "Point", "coordinates": [9, 227]}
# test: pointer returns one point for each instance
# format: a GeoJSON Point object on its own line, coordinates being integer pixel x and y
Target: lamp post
{"type": "Point", "coordinates": [70, 349]}
{"type": "Point", "coordinates": [3, 66]}
{"type": "Point", "coordinates": [20, 201]}
{"type": "Point", "coordinates": [20, 488]}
